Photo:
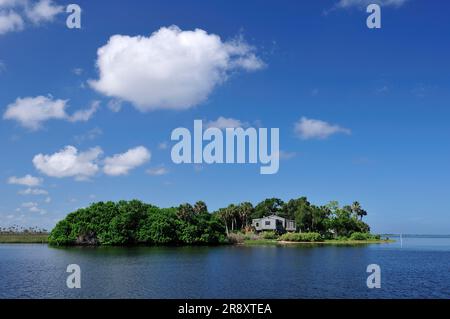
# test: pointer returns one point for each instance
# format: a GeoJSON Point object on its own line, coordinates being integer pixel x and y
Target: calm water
{"type": "Point", "coordinates": [419, 269]}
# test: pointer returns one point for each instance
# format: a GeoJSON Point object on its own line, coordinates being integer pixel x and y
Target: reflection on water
{"type": "Point", "coordinates": [419, 269]}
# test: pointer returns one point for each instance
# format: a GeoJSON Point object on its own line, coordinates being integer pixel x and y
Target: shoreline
{"type": "Point", "coordinates": [43, 239]}
{"type": "Point", "coordinates": [326, 242]}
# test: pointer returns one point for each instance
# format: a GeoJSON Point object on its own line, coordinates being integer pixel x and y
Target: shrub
{"type": "Point", "coordinates": [359, 236]}
{"type": "Point", "coordinates": [236, 238]}
{"type": "Point", "coordinates": [269, 235]}
{"type": "Point", "coordinates": [301, 237]}
{"type": "Point", "coordinates": [251, 236]}
{"type": "Point", "coordinates": [364, 236]}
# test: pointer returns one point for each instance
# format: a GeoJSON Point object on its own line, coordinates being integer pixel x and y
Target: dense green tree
{"type": "Point", "coordinates": [268, 207]}
{"type": "Point", "coordinates": [344, 221]}
{"type": "Point", "coordinates": [185, 212]}
{"type": "Point", "coordinates": [127, 223]}
{"type": "Point", "coordinates": [159, 227]}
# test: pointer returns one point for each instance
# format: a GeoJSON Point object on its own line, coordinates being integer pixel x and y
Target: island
{"type": "Point", "coordinates": [127, 223]}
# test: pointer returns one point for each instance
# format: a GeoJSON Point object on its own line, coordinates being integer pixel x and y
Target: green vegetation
{"type": "Point", "coordinates": [134, 223]}
{"type": "Point", "coordinates": [301, 237]}
{"type": "Point", "coordinates": [16, 235]}
{"type": "Point", "coordinates": [330, 221]}
{"type": "Point", "coordinates": [364, 236]}
{"type": "Point", "coordinates": [20, 238]}
{"type": "Point", "coordinates": [269, 235]}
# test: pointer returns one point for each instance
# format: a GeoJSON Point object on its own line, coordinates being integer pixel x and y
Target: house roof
{"type": "Point", "coordinates": [273, 216]}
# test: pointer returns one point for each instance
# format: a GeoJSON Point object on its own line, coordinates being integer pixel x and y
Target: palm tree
{"type": "Point", "coordinates": [185, 212]}
{"type": "Point", "coordinates": [232, 213]}
{"type": "Point", "coordinates": [357, 210]}
{"type": "Point", "coordinates": [200, 207]}
{"type": "Point", "coordinates": [245, 210]}
{"type": "Point", "coordinates": [225, 216]}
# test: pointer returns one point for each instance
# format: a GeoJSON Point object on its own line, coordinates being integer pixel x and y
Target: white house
{"type": "Point", "coordinates": [275, 223]}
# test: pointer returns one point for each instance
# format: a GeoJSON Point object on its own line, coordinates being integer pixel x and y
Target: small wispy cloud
{"type": "Point", "coordinates": [157, 171]}
{"type": "Point", "coordinates": [2, 66]}
{"type": "Point", "coordinates": [284, 155]}
{"type": "Point", "coordinates": [16, 14]}
{"type": "Point", "coordinates": [77, 71]}
{"type": "Point", "coordinates": [362, 4]}
{"type": "Point", "coordinates": [115, 105]}
{"type": "Point", "coordinates": [33, 207]}
{"type": "Point", "coordinates": [26, 180]}
{"type": "Point", "coordinates": [163, 145]}
{"type": "Point", "coordinates": [33, 191]}
{"type": "Point", "coordinates": [317, 129]}
{"type": "Point", "coordinates": [89, 135]}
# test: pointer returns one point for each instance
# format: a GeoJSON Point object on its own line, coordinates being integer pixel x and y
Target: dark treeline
{"type": "Point", "coordinates": [16, 229]}
{"type": "Point", "coordinates": [134, 222]}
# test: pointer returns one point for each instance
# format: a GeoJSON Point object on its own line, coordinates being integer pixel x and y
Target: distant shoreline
{"type": "Point", "coordinates": [24, 238]}
{"type": "Point", "coordinates": [415, 235]}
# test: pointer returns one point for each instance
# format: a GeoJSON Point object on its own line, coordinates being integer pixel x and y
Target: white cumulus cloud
{"type": "Point", "coordinates": [316, 129]}
{"type": "Point", "coordinates": [121, 164]}
{"type": "Point", "coordinates": [69, 162]}
{"type": "Point", "coordinates": [27, 180]}
{"type": "Point", "coordinates": [31, 112]}
{"type": "Point", "coordinates": [170, 69]}
{"type": "Point", "coordinates": [223, 123]}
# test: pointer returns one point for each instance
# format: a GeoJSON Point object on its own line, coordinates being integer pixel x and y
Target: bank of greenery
{"type": "Point", "coordinates": [23, 238]}
{"type": "Point", "coordinates": [301, 237]}
{"type": "Point", "coordinates": [134, 223]}
{"type": "Point", "coordinates": [131, 223]}
{"type": "Point", "coordinates": [20, 235]}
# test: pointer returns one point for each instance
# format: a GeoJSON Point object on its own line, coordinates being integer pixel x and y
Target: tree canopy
{"type": "Point", "coordinates": [134, 222]}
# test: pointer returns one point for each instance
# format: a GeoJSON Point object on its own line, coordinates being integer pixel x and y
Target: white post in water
{"type": "Point", "coordinates": [401, 240]}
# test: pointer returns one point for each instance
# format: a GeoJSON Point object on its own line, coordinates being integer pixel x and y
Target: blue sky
{"type": "Point", "coordinates": [381, 97]}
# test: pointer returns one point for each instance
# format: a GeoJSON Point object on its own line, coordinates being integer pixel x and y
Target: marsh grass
{"type": "Point", "coordinates": [23, 238]}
